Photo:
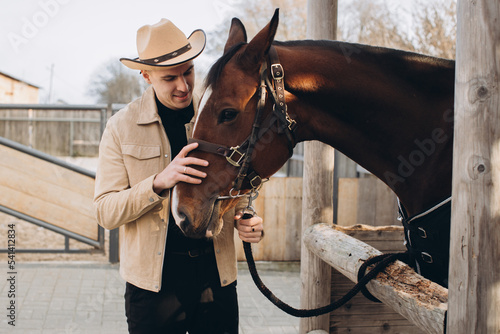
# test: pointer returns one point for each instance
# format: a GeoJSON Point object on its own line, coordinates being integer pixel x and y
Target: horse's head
{"type": "Point", "coordinates": [226, 117]}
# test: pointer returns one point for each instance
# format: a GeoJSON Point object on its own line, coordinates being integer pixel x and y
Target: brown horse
{"type": "Point", "coordinates": [390, 111]}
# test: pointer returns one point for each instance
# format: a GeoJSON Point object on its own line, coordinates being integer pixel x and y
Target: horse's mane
{"type": "Point", "coordinates": [399, 56]}
{"type": "Point", "coordinates": [216, 69]}
{"type": "Point", "coordinates": [367, 49]}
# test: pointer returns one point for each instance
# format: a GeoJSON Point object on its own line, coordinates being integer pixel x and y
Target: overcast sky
{"type": "Point", "coordinates": [78, 36]}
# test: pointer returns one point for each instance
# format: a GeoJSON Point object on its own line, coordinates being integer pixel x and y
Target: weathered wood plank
{"type": "Point", "coordinates": [421, 301]}
{"type": "Point", "coordinates": [366, 201]}
{"type": "Point", "coordinates": [47, 192]}
{"type": "Point", "coordinates": [347, 214]}
{"type": "Point", "coordinates": [474, 250]}
{"type": "Point", "coordinates": [27, 165]}
{"type": "Point", "coordinates": [293, 218]}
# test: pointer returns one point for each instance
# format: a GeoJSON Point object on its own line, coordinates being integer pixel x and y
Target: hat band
{"type": "Point", "coordinates": [167, 56]}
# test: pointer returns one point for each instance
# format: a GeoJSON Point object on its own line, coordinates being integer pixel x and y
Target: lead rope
{"type": "Point", "coordinates": [382, 261]}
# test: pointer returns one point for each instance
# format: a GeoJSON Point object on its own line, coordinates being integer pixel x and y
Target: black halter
{"type": "Point", "coordinates": [240, 156]}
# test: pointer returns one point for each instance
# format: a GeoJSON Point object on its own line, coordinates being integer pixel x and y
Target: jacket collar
{"type": "Point", "coordinates": [148, 111]}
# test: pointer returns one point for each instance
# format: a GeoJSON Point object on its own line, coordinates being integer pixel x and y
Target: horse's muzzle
{"type": "Point", "coordinates": [196, 221]}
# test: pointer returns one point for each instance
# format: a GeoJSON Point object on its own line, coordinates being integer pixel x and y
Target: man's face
{"type": "Point", "coordinates": [173, 85]}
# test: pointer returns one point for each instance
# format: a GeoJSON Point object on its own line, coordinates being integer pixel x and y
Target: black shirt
{"type": "Point", "coordinates": [174, 122]}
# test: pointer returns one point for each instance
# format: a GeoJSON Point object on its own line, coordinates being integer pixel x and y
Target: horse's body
{"type": "Point", "coordinates": [390, 111]}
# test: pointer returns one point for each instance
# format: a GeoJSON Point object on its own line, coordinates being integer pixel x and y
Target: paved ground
{"type": "Point", "coordinates": [78, 298]}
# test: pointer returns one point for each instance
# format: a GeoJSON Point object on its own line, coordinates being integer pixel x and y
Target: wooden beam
{"type": "Point", "coordinates": [422, 302]}
{"type": "Point", "coordinates": [317, 198]}
{"type": "Point", "coordinates": [474, 247]}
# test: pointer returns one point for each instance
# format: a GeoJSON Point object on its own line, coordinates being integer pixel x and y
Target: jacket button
{"type": "Point", "coordinates": [159, 253]}
{"type": "Point", "coordinates": [224, 282]}
{"type": "Point", "coordinates": [166, 155]}
{"type": "Point", "coordinates": [218, 251]}
{"type": "Point", "coordinates": [151, 199]}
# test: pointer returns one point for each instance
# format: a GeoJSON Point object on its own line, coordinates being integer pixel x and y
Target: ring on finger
{"type": "Point", "coordinates": [185, 169]}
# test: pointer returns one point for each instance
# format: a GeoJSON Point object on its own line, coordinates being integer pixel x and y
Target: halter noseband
{"type": "Point", "coordinates": [240, 156]}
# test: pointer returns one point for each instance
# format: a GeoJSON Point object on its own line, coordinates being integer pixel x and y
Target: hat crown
{"type": "Point", "coordinates": [163, 44]}
{"type": "Point", "coordinates": [159, 39]}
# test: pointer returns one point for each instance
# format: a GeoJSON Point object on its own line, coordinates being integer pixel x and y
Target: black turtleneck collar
{"type": "Point", "coordinates": [174, 123]}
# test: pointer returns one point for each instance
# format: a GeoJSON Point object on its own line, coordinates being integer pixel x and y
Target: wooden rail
{"type": "Point", "coordinates": [422, 302]}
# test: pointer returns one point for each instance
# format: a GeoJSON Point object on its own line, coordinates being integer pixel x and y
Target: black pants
{"type": "Point", "coordinates": [191, 300]}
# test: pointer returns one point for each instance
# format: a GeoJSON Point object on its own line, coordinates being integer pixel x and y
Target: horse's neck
{"type": "Point", "coordinates": [385, 111]}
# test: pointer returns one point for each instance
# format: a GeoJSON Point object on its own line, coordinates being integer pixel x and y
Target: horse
{"type": "Point", "coordinates": [390, 111]}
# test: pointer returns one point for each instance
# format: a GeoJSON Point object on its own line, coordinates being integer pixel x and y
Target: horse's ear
{"type": "Point", "coordinates": [237, 34]}
{"type": "Point", "coordinates": [260, 44]}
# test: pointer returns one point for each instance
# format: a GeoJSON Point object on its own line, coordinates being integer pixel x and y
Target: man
{"type": "Point", "coordinates": [174, 284]}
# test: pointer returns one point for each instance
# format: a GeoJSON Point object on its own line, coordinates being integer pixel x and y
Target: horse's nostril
{"type": "Point", "coordinates": [184, 226]}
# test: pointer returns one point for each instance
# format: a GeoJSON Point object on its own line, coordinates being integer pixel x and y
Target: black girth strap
{"type": "Point", "coordinates": [427, 238]}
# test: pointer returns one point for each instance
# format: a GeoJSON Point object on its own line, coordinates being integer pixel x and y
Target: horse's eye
{"type": "Point", "coordinates": [227, 115]}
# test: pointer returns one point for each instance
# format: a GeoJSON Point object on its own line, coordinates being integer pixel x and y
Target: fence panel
{"type": "Point", "coordinates": [59, 130]}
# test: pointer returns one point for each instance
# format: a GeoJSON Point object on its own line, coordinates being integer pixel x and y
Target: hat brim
{"type": "Point", "coordinates": [197, 40]}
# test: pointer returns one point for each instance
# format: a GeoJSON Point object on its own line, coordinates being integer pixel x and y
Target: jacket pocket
{"type": "Point", "coordinates": [141, 161]}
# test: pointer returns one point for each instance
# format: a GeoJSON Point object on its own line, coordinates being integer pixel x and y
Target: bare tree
{"type": "Point", "coordinates": [255, 15]}
{"type": "Point", "coordinates": [114, 83]}
{"type": "Point", "coordinates": [436, 28]}
{"type": "Point", "coordinates": [372, 23]}
{"type": "Point", "coordinates": [429, 27]}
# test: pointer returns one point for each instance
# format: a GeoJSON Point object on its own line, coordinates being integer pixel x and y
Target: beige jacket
{"type": "Point", "coordinates": [134, 148]}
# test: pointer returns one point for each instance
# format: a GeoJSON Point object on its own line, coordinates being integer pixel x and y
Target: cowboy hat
{"type": "Point", "coordinates": [163, 44]}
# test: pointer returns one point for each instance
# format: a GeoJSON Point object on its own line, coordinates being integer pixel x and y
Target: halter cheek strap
{"type": "Point", "coordinates": [240, 156]}
{"type": "Point", "coordinates": [233, 155]}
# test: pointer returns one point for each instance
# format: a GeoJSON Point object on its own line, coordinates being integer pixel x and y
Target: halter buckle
{"type": "Point", "coordinates": [256, 182]}
{"type": "Point", "coordinates": [231, 160]}
{"type": "Point", "coordinates": [277, 71]}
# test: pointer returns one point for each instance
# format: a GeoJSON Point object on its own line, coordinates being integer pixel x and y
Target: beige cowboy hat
{"type": "Point", "coordinates": [163, 44]}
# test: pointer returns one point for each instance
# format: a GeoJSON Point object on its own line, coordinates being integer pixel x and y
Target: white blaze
{"type": "Point", "coordinates": [203, 102]}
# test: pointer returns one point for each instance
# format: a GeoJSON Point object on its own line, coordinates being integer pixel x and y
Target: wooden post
{"type": "Point", "coordinates": [474, 305]}
{"type": "Point", "coordinates": [317, 203]}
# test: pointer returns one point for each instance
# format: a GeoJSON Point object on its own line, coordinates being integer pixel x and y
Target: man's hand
{"type": "Point", "coordinates": [178, 170]}
{"type": "Point", "coordinates": [251, 229]}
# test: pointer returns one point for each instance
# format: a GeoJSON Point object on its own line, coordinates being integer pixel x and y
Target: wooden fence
{"type": "Point", "coordinates": [59, 130]}
{"type": "Point", "coordinates": [361, 201]}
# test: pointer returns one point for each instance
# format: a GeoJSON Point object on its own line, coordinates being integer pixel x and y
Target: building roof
{"type": "Point", "coordinates": [17, 79]}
